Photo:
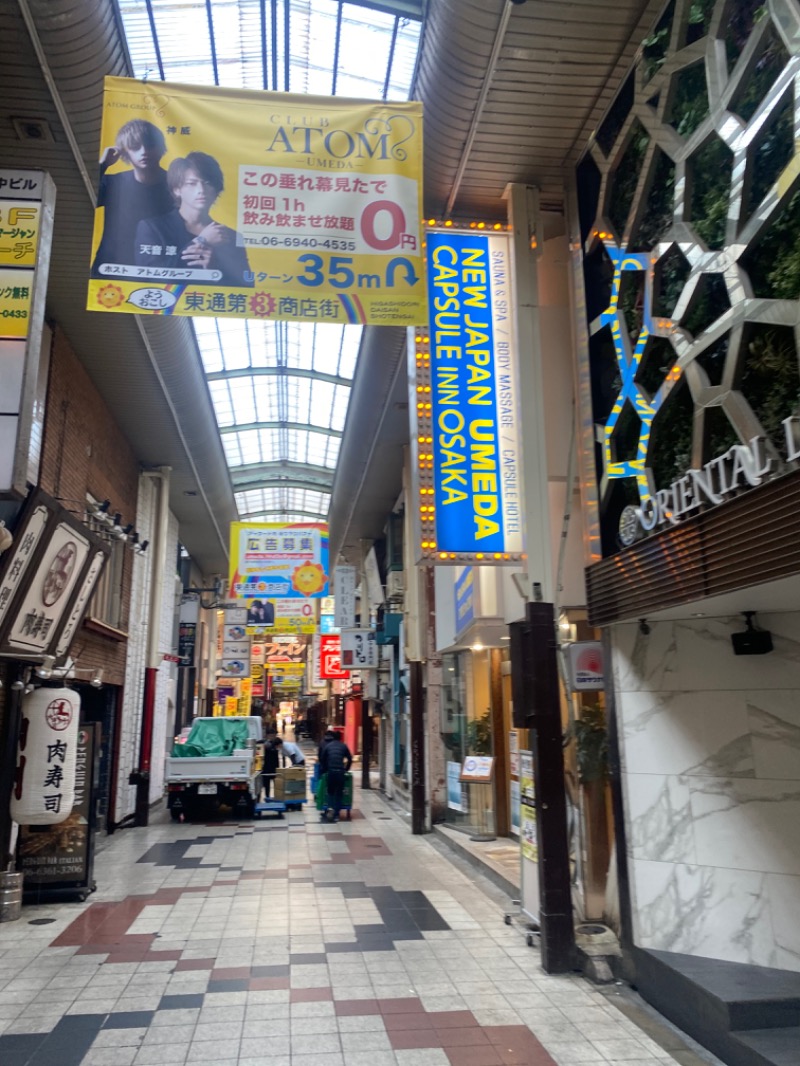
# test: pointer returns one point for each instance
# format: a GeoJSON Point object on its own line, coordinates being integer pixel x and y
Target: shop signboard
{"type": "Point", "coordinates": [291, 616]}
{"type": "Point", "coordinates": [330, 658]}
{"type": "Point", "coordinates": [344, 597]}
{"type": "Point", "coordinates": [320, 200]}
{"type": "Point", "coordinates": [465, 405]}
{"type": "Point", "coordinates": [477, 769]}
{"type": "Point", "coordinates": [528, 839]}
{"type": "Point", "coordinates": [59, 859]}
{"type": "Point", "coordinates": [359, 649]}
{"type": "Point", "coordinates": [27, 200]}
{"type": "Point", "coordinates": [585, 666]}
{"type": "Point", "coordinates": [44, 779]}
{"type": "Point", "coordinates": [326, 624]}
{"type": "Point", "coordinates": [46, 579]}
{"type": "Point", "coordinates": [278, 561]}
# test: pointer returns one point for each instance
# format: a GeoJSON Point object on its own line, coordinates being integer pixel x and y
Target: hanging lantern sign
{"type": "Point", "coordinates": [44, 784]}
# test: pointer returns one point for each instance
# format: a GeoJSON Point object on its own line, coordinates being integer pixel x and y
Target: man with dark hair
{"type": "Point", "coordinates": [188, 236]}
{"type": "Point", "coordinates": [335, 760]}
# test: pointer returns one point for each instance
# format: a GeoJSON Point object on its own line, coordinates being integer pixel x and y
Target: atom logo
{"type": "Point", "coordinates": [262, 304]}
{"type": "Point", "coordinates": [59, 714]}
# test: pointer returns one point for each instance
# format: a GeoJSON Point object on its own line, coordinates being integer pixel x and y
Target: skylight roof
{"type": "Point", "coordinates": [280, 389]}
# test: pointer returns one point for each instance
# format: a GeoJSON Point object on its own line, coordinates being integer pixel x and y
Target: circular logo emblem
{"type": "Point", "coordinates": [109, 296]}
{"type": "Point", "coordinates": [57, 577]}
{"type": "Point", "coordinates": [59, 714]}
{"type": "Point", "coordinates": [629, 527]}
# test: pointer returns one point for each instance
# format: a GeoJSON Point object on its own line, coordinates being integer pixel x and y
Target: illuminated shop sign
{"type": "Point", "coordinates": [465, 403]}
{"type": "Point", "coordinates": [742, 467]}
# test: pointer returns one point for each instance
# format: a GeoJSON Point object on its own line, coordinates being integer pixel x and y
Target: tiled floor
{"type": "Point", "coordinates": [292, 943]}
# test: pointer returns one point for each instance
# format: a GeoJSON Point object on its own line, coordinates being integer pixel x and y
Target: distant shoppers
{"type": "Point", "coordinates": [270, 765]}
{"type": "Point", "coordinates": [335, 760]}
{"type": "Point", "coordinates": [291, 751]}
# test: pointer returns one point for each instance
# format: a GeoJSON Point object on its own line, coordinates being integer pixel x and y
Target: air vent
{"type": "Point", "coordinates": [32, 129]}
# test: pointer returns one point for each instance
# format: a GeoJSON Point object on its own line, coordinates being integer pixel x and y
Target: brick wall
{"type": "Point", "coordinates": [84, 451]}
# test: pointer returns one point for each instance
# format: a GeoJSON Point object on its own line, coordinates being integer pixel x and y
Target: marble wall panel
{"type": "Point", "coordinates": [710, 754]}
{"type": "Point", "coordinates": [747, 824]}
{"type": "Point", "coordinates": [697, 910]}
{"type": "Point", "coordinates": [696, 655]}
{"type": "Point", "coordinates": [695, 733]}
{"type": "Point", "coordinates": [774, 724]}
{"type": "Point", "coordinates": [659, 817]}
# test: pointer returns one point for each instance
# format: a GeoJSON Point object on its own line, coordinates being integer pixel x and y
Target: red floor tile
{"type": "Point", "coordinates": [415, 1038]}
{"type": "Point", "coordinates": [467, 1037]}
{"type": "Point", "coordinates": [348, 1008]}
{"type": "Point", "coordinates": [474, 1056]}
{"type": "Point", "coordinates": [396, 1023]}
{"type": "Point", "coordinates": [453, 1019]}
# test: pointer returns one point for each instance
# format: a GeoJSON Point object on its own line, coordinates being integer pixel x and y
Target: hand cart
{"type": "Point", "coordinates": [319, 782]}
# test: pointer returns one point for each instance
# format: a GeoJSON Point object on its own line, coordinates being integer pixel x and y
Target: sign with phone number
{"type": "Point", "coordinates": [305, 178]}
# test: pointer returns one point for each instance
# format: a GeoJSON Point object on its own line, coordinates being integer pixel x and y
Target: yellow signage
{"type": "Point", "coordinates": [16, 297]}
{"type": "Point", "coordinates": [240, 204]}
{"type": "Point", "coordinates": [19, 233]}
{"type": "Point", "coordinates": [231, 705]}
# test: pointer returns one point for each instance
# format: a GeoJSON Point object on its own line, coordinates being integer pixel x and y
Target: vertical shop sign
{"type": "Point", "coordinates": [330, 658]}
{"type": "Point", "coordinates": [359, 649]}
{"type": "Point", "coordinates": [27, 199]}
{"type": "Point", "coordinates": [59, 859]}
{"type": "Point", "coordinates": [344, 593]}
{"type": "Point", "coordinates": [44, 780]}
{"type": "Point", "coordinates": [318, 200]}
{"type": "Point", "coordinates": [465, 405]}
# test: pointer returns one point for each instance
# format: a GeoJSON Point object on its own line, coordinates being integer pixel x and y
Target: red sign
{"type": "Point", "coordinates": [330, 657]}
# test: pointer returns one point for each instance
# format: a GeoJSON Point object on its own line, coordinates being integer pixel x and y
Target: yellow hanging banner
{"type": "Point", "coordinates": [240, 204]}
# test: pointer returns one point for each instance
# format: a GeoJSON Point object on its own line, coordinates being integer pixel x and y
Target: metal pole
{"type": "Point", "coordinates": [141, 777]}
{"type": "Point", "coordinates": [537, 707]}
{"type": "Point", "coordinates": [417, 751]}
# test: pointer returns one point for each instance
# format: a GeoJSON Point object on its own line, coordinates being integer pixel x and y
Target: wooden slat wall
{"type": "Point", "coordinates": [748, 541]}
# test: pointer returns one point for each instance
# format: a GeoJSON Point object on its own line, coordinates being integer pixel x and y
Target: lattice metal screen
{"type": "Point", "coordinates": [689, 201]}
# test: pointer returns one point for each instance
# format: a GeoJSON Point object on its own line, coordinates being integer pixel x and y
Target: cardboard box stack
{"type": "Point", "coordinates": [290, 783]}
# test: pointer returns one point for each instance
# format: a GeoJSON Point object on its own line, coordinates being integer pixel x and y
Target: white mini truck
{"type": "Point", "coordinates": [200, 783]}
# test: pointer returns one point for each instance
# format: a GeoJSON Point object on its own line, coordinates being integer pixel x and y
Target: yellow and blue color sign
{"type": "Point", "coordinates": [310, 208]}
{"type": "Point", "coordinates": [466, 403]}
{"type": "Point", "coordinates": [278, 561]}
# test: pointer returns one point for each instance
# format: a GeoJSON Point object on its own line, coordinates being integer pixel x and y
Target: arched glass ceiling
{"type": "Point", "coordinates": [280, 389]}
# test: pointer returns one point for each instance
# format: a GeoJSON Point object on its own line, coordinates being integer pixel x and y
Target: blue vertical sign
{"type": "Point", "coordinates": [476, 476]}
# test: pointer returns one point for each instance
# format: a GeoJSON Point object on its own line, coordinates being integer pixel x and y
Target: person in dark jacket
{"type": "Point", "coordinates": [188, 236]}
{"type": "Point", "coordinates": [335, 760]}
{"type": "Point", "coordinates": [270, 765]}
{"type": "Point", "coordinates": [329, 736]}
{"type": "Point", "coordinates": [130, 195]}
